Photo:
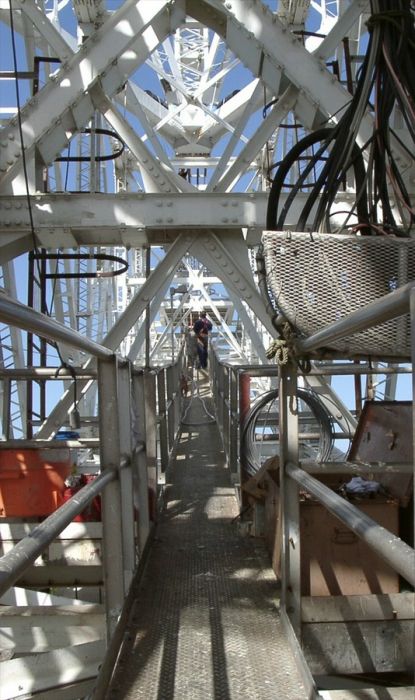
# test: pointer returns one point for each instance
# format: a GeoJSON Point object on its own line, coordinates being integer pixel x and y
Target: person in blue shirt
{"type": "Point", "coordinates": [202, 327]}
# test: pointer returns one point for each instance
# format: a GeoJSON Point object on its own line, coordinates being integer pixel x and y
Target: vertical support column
{"type": "Point", "coordinates": [140, 463]}
{"type": "Point", "coordinates": [148, 315]}
{"type": "Point", "coordinates": [163, 418]}
{"type": "Point", "coordinates": [6, 413]}
{"type": "Point", "coordinates": [225, 417]}
{"type": "Point", "coordinates": [244, 405]}
{"type": "Point", "coordinates": [290, 512]}
{"type": "Point", "coordinates": [233, 444]}
{"type": "Point", "coordinates": [150, 404]}
{"type": "Point", "coordinates": [219, 371]}
{"type": "Point", "coordinates": [113, 552]}
{"type": "Point", "coordinates": [412, 313]}
{"type": "Point", "coordinates": [175, 383]}
{"type": "Point", "coordinates": [171, 391]}
{"type": "Point", "coordinates": [126, 474]}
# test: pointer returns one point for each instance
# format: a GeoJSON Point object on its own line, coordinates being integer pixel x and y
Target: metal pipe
{"type": "Point", "coordinates": [325, 370]}
{"type": "Point", "coordinates": [16, 314]}
{"type": "Point", "coordinates": [387, 307]}
{"type": "Point", "coordinates": [14, 563]}
{"type": "Point", "coordinates": [35, 444]}
{"type": "Point", "coordinates": [349, 369]}
{"type": "Point", "coordinates": [352, 468]}
{"type": "Point", "coordinates": [47, 373]}
{"type": "Point", "coordinates": [396, 553]}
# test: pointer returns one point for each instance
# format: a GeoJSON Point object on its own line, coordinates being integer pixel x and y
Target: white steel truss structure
{"type": "Point", "coordinates": [138, 144]}
{"type": "Point", "coordinates": [164, 119]}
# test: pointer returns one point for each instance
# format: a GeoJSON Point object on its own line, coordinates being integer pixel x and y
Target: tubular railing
{"type": "Point", "coordinates": [228, 388]}
{"type": "Point", "coordinates": [134, 407]}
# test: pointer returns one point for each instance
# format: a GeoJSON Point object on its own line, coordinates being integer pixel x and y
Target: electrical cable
{"type": "Point", "coordinates": [197, 396]}
{"type": "Point", "coordinates": [386, 74]}
{"type": "Point", "coordinates": [98, 159]}
{"type": "Point", "coordinates": [250, 456]}
{"type": "Point", "coordinates": [83, 256]}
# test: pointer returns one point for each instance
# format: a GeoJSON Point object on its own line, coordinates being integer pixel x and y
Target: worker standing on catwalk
{"type": "Point", "coordinates": [202, 327]}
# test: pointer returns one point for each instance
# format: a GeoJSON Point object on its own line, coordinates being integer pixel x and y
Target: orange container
{"type": "Point", "coordinates": [32, 481]}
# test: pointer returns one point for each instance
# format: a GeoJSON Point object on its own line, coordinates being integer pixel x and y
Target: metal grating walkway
{"type": "Point", "coordinates": [205, 621]}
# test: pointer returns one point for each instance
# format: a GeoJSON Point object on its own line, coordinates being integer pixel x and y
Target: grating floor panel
{"type": "Point", "coordinates": [205, 620]}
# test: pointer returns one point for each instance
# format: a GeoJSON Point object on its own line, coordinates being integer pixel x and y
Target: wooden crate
{"type": "Point", "coordinates": [334, 561]}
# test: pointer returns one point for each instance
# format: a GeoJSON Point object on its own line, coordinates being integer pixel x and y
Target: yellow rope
{"type": "Point", "coordinates": [279, 350]}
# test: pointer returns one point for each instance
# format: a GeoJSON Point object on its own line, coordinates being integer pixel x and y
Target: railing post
{"type": "Point", "coordinates": [234, 425]}
{"type": "Point", "coordinates": [220, 398]}
{"type": "Point", "coordinates": [125, 416]}
{"type": "Point", "coordinates": [140, 462]}
{"type": "Point", "coordinates": [172, 393]}
{"type": "Point", "coordinates": [244, 392]}
{"type": "Point", "coordinates": [164, 435]}
{"type": "Point", "coordinates": [290, 507]}
{"type": "Point", "coordinates": [412, 321]}
{"type": "Point", "coordinates": [7, 394]}
{"type": "Point", "coordinates": [113, 550]}
{"type": "Point", "coordinates": [225, 417]}
{"type": "Point", "coordinates": [150, 404]}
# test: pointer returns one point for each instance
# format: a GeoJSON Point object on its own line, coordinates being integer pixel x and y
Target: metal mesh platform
{"type": "Point", "coordinates": [316, 279]}
{"type": "Point", "coordinates": [205, 622]}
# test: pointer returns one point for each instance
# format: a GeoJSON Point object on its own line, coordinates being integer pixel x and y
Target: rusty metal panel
{"type": "Point", "coordinates": [384, 434]}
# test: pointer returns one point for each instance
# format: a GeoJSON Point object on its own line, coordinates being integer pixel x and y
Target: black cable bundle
{"type": "Point", "coordinates": [386, 76]}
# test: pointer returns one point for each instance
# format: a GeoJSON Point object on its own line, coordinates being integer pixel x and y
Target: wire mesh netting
{"type": "Point", "coordinates": [317, 279]}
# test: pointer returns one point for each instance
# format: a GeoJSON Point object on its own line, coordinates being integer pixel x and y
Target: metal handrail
{"type": "Point", "coordinates": [384, 309]}
{"type": "Point", "coordinates": [16, 314]}
{"type": "Point", "coordinates": [17, 561]}
{"type": "Point", "coordinates": [399, 555]}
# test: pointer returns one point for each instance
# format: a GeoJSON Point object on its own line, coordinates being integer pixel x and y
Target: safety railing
{"type": "Point", "coordinates": [138, 418]}
{"type": "Point", "coordinates": [230, 392]}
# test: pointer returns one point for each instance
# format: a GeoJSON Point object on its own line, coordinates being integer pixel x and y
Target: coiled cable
{"type": "Point", "coordinates": [249, 455]}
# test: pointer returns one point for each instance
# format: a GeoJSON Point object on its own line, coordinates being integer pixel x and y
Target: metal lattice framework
{"type": "Point", "coordinates": [164, 122]}
{"type": "Point", "coordinates": [150, 130]}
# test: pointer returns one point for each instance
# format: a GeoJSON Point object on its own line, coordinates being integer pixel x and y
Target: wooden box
{"type": "Point", "coordinates": [334, 561]}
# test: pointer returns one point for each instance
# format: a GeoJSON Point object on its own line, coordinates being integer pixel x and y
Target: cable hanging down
{"type": "Point", "coordinates": [385, 86]}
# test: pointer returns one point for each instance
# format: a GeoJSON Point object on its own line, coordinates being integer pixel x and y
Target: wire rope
{"type": "Point", "coordinates": [250, 456]}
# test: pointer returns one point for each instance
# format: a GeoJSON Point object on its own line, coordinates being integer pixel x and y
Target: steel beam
{"type": "Point", "coordinates": [228, 259]}
{"type": "Point", "coordinates": [290, 514]}
{"type": "Point", "coordinates": [140, 461]}
{"type": "Point", "coordinates": [122, 326]}
{"type": "Point", "coordinates": [132, 33]}
{"type": "Point", "coordinates": [114, 554]}
{"type": "Point", "coordinates": [261, 136]}
{"type": "Point", "coordinates": [22, 316]}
